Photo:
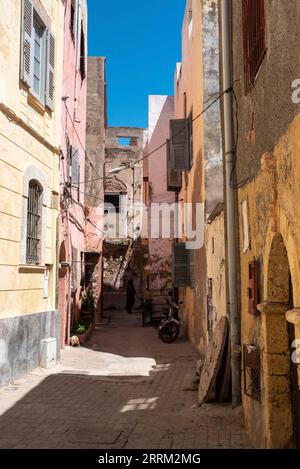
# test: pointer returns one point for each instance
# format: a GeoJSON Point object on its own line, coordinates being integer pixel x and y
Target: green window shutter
{"type": "Point", "coordinates": [27, 42]}
{"type": "Point", "coordinates": [174, 178]}
{"type": "Point", "coordinates": [181, 266]}
{"type": "Point", "coordinates": [50, 67]}
{"type": "Point", "coordinates": [180, 144]}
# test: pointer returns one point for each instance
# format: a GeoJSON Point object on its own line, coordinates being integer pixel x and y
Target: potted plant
{"type": "Point", "coordinates": [84, 326]}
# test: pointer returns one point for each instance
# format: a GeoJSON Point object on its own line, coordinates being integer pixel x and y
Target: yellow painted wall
{"type": "Point", "coordinates": [21, 292]}
{"type": "Point", "coordinates": [274, 211]}
{"type": "Point", "coordinates": [189, 81]}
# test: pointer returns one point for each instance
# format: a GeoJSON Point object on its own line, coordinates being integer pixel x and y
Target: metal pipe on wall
{"type": "Point", "coordinates": [230, 204]}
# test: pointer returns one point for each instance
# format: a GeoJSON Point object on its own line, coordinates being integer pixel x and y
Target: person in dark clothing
{"type": "Point", "coordinates": [130, 296]}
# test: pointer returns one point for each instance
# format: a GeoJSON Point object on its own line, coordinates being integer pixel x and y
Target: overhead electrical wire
{"type": "Point", "coordinates": [130, 166]}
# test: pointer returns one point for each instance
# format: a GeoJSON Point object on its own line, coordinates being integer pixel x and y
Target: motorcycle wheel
{"type": "Point", "coordinates": [169, 333]}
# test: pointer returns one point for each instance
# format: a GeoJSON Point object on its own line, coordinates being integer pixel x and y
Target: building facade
{"type": "Point", "coordinates": [123, 252]}
{"type": "Point", "coordinates": [158, 200]}
{"type": "Point", "coordinates": [30, 131]}
{"type": "Point", "coordinates": [72, 165]}
{"type": "Point", "coordinates": [265, 180]}
{"type": "Point", "coordinates": [195, 161]}
{"type": "Point", "coordinates": [94, 174]}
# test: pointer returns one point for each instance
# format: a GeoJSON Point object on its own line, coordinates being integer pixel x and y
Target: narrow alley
{"type": "Point", "coordinates": [100, 397]}
{"type": "Point", "coordinates": [149, 229]}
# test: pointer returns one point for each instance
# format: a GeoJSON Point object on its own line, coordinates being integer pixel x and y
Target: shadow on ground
{"type": "Point", "coordinates": [144, 398]}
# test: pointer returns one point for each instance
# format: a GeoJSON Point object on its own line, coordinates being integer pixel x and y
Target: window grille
{"type": "Point", "coordinates": [33, 223]}
{"type": "Point", "coordinates": [252, 383]}
{"type": "Point", "coordinates": [254, 38]}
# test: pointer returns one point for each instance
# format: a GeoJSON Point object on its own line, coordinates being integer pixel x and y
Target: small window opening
{"type": "Point", "coordinates": [124, 141]}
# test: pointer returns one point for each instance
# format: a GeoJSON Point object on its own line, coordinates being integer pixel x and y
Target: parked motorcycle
{"type": "Point", "coordinates": [169, 328]}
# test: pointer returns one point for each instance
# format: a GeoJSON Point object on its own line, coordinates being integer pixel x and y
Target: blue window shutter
{"type": "Point", "coordinates": [27, 42]}
{"type": "Point", "coordinates": [50, 68]}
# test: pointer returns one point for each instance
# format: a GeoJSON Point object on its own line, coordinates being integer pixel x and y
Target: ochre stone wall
{"type": "Point", "coordinates": [274, 211]}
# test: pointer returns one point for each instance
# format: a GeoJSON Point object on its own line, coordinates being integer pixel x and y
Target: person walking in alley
{"type": "Point", "coordinates": [130, 296]}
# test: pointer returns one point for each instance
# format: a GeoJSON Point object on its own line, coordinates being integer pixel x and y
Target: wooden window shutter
{"type": "Point", "coordinates": [50, 68]}
{"type": "Point", "coordinates": [181, 266]}
{"type": "Point", "coordinates": [27, 42]}
{"type": "Point", "coordinates": [179, 135]}
{"type": "Point", "coordinates": [253, 38]}
{"type": "Point", "coordinates": [174, 178]}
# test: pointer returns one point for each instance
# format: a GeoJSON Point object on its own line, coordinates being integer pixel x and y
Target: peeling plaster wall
{"type": "Point", "coordinates": [193, 182]}
{"type": "Point", "coordinates": [161, 110]}
{"type": "Point", "coordinates": [95, 143]}
{"type": "Point", "coordinates": [273, 209]}
{"type": "Point", "coordinates": [130, 180]}
{"type": "Point", "coordinates": [216, 266]}
{"type": "Point", "coordinates": [212, 117]}
{"type": "Point", "coordinates": [72, 227]}
{"type": "Point", "coordinates": [29, 139]}
{"type": "Point", "coordinates": [268, 158]}
{"type": "Point", "coordinates": [128, 183]}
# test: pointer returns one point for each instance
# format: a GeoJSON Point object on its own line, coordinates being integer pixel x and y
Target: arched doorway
{"type": "Point", "coordinates": [63, 292]}
{"type": "Point", "coordinates": [280, 386]}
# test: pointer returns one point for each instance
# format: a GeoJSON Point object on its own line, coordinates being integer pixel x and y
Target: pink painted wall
{"type": "Point", "coordinates": [72, 218]}
{"type": "Point", "coordinates": [161, 110]}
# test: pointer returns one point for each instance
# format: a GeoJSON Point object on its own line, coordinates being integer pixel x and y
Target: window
{"type": "Point", "coordinates": [72, 19]}
{"type": "Point", "coordinates": [124, 141]}
{"type": "Point", "coordinates": [254, 39]}
{"type": "Point", "coordinates": [112, 200]}
{"type": "Point", "coordinates": [181, 266]}
{"type": "Point", "coordinates": [191, 139]}
{"type": "Point", "coordinates": [190, 20]}
{"type": "Point", "coordinates": [82, 54]}
{"type": "Point", "coordinates": [38, 55]}
{"type": "Point", "coordinates": [174, 178]}
{"type": "Point", "coordinates": [180, 144]}
{"type": "Point", "coordinates": [74, 269]}
{"type": "Point", "coordinates": [75, 169]}
{"type": "Point", "coordinates": [252, 380]}
{"type": "Point", "coordinates": [34, 209]}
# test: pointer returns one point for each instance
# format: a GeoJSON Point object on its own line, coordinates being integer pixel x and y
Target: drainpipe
{"type": "Point", "coordinates": [230, 206]}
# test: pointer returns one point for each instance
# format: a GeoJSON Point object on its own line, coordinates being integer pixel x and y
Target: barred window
{"type": "Point", "coordinates": [34, 209]}
{"type": "Point", "coordinates": [254, 38]}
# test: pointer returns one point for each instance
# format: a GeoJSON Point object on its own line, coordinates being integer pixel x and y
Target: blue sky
{"type": "Point", "coordinates": [141, 40]}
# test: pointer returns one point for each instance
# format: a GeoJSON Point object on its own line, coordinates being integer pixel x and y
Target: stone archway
{"type": "Point", "coordinates": [63, 292]}
{"type": "Point", "coordinates": [276, 353]}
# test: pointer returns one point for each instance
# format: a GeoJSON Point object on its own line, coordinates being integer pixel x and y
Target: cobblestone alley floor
{"type": "Point", "coordinates": [125, 389]}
